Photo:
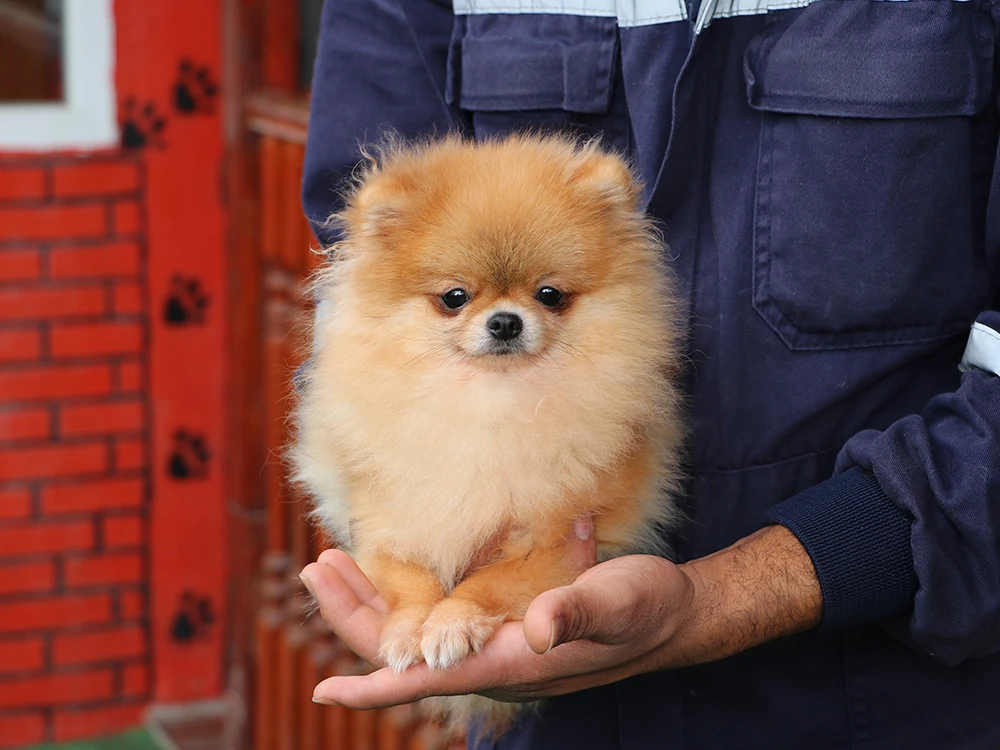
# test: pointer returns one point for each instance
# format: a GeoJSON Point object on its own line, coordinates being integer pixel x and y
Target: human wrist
{"type": "Point", "coordinates": [761, 588]}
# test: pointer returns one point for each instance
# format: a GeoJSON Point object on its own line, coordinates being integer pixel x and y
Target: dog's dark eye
{"type": "Point", "coordinates": [549, 296]}
{"type": "Point", "coordinates": [455, 298]}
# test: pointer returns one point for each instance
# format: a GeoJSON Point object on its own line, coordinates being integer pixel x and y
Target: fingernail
{"type": "Point", "coordinates": [324, 701]}
{"type": "Point", "coordinates": [308, 584]}
{"type": "Point", "coordinates": [584, 528]}
{"type": "Point", "coordinates": [555, 632]}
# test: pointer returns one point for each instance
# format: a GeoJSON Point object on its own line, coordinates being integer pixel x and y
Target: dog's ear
{"type": "Point", "coordinates": [605, 176]}
{"type": "Point", "coordinates": [377, 206]}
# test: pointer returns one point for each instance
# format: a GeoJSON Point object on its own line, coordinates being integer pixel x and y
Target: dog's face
{"type": "Point", "coordinates": [499, 254]}
{"type": "Point", "coordinates": [490, 321]}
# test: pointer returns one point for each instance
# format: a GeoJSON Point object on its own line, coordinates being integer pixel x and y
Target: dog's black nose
{"type": "Point", "coordinates": [505, 326]}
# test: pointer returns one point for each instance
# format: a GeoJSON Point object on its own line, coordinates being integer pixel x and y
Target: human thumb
{"type": "Point", "coordinates": [590, 609]}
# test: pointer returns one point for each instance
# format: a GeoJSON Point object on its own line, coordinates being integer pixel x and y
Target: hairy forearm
{"type": "Point", "coordinates": [761, 588]}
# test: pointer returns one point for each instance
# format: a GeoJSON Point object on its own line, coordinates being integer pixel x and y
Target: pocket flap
{"type": "Point", "coordinates": [871, 58]}
{"type": "Point", "coordinates": [572, 70]}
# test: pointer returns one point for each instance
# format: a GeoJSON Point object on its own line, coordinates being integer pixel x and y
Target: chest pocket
{"type": "Point", "coordinates": [875, 157]}
{"type": "Point", "coordinates": [538, 71]}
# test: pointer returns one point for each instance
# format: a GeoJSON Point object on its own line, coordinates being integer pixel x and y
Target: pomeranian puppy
{"type": "Point", "coordinates": [493, 358]}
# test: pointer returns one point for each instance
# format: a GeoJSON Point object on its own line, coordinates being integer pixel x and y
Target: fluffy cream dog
{"type": "Point", "coordinates": [493, 359]}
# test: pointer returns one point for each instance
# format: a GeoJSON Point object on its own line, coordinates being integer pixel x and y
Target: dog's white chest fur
{"type": "Point", "coordinates": [433, 471]}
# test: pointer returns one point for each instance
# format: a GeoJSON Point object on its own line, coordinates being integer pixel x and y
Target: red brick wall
{"type": "Point", "coordinates": [74, 445]}
{"type": "Point", "coordinates": [113, 545]}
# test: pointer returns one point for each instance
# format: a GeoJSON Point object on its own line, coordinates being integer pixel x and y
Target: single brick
{"type": "Point", "coordinates": [48, 536]}
{"type": "Point", "coordinates": [21, 183]}
{"type": "Point", "coordinates": [54, 612]}
{"type": "Point", "coordinates": [98, 570]}
{"type": "Point", "coordinates": [20, 265]}
{"type": "Point", "coordinates": [94, 178]}
{"type": "Point", "coordinates": [53, 460]}
{"type": "Point", "coordinates": [94, 495]}
{"type": "Point", "coordinates": [128, 298]}
{"type": "Point", "coordinates": [128, 219]}
{"type": "Point", "coordinates": [97, 646]}
{"type": "Point", "coordinates": [15, 503]}
{"type": "Point", "coordinates": [80, 723]}
{"type": "Point", "coordinates": [28, 577]}
{"type": "Point", "coordinates": [135, 680]}
{"type": "Point", "coordinates": [131, 604]}
{"type": "Point", "coordinates": [51, 302]}
{"type": "Point", "coordinates": [130, 377]}
{"type": "Point", "coordinates": [94, 339]}
{"type": "Point", "coordinates": [25, 423]}
{"type": "Point", "coordinates": [53, 222]}
{"type": "Point", "coordinates": [118, 259]}
{"type": "Point", "coordinates": [73, 687]}
{"type": "Point", "coordinates": [122, 531]}
{"type": "Point", "coordinates": [54, 381]}
{"type": "Point", "coordinates": [130, 455]}
{"type": "Point", "coordinates": [20, 345]}
{"type": "Point", "coordinates": [106, 418]}
{"type": "Point", "coordinates": [21, 655]}
{"type": "Point", "coordinates": [22, 729]}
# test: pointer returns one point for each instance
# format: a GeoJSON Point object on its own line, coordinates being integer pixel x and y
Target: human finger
{"type": "Point", "coordinates": [354, 622]}
{"type": "Point", "coordinates": [354, 577]}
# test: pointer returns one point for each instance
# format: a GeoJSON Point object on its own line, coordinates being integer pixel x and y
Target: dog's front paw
{"type": "Point", "coordinates": [455, 629]}
{"type": "Point", "coordinates": [399, 641]}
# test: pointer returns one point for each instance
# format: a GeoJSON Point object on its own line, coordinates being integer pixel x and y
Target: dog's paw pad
{"type": "Point", "coordinates": [454, 630]}
{"type": "Point", "coordinates": [399, 642]}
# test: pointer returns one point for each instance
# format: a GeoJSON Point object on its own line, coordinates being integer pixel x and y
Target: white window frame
{"type": "Point", "coordinates": [87, 117]}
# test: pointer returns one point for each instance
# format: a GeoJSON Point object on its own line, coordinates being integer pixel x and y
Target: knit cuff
{"type": "Point", "coordinates": [859, 543]}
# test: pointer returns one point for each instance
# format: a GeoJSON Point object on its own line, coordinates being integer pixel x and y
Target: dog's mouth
{"type": "Point", "coordinates": [497, 352]}
{"type": "Point", "coordinates": [505, 348]}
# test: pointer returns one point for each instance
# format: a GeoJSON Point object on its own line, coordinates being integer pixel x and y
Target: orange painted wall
{"type": "Point", "coordinates": [112, 389]}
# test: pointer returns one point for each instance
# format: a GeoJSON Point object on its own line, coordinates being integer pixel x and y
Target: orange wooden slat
{"type": "Point", "coordinates": [287, 687]}
{"type": "Point", "coordinates": [280, 44]}
{"type": "Point", "coordinates": [364, 730]}
{"type": "Point", "coordinates": [292, 155]}
{"type": "Point", "coordinates": [337, 727]}
{"type": "Point", "coordinates": [271, 200]}
{"type": "Point", "coordinates": [268, 635]}
{"type": "Point", "coordinates": [316, 660]}
{"type": "Point", "coordinates": [275, 389]}
{"type": "Point", "coordinates": [301, 228]}
{"type": "Point", "coordinates": [301, 532]}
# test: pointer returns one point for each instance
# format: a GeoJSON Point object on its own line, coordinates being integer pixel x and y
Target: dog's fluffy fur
{"type": "Point", "coordinates": [454, 470]}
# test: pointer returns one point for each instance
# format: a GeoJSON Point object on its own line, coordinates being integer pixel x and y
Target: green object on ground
{"type": "Point", "coordinates": [137, 739]}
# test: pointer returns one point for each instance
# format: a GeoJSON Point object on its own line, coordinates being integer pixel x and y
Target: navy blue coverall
{"type": "Point", "coordinates": [825, 175]}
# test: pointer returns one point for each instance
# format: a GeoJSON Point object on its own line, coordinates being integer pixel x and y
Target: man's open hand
{"type": "Point", "coordinates": [626, 616]}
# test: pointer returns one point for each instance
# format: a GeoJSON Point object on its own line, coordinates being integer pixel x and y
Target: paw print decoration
{"type": "Point", "coordinates": [141, 125]}
{"type": "Point", "coordinates": [194, 617]}
{"type": "Point", "coordinates": [186, 302]}
{"type": "Point", "coordinates": [195, 90]}
{"type": "Point", "coordinates": [189, 457]}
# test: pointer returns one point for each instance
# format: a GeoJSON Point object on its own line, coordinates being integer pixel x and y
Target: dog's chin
{"type": "Point", "coordinates": [499, 355]}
